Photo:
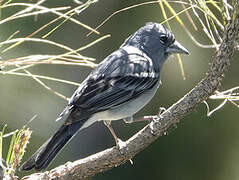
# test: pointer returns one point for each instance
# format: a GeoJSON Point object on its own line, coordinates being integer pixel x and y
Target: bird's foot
{"type": "Point", "coordinates": [155, 119]}
{"type": "Point", "coordinates": [121, 145]}
{"type": "Point", "coordinates": [152, 123]}
{"type": "Point", "coordinates": [161, 111]}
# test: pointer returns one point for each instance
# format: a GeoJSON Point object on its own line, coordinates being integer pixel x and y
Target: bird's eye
{"type": "Point", "coordinates": [164, 39]}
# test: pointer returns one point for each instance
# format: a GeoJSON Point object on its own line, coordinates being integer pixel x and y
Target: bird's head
{"type": "Point", "coordinates": [156, 41]}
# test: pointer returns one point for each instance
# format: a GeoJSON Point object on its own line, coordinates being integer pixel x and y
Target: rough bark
{"type": "Point", "coordinates": [110, 158]}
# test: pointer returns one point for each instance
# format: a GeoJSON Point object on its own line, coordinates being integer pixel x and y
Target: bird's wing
{"type": "Point", "coordinates": [121, 77]}
{"type": "Point", "coordinates": [116, 91]}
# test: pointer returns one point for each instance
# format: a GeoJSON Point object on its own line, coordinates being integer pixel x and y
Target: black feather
{"type": "Point", "coordinates": [48, 151]}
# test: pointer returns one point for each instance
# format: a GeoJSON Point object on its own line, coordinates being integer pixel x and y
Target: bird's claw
{"type": "Point", "coordinates": [156, 119]}
{"type": "Point", "coordinates": [151, 125]}
{"type": "Point", "coordinates": [121, 145]}
{"type": "Point", "coordinates": [161, 111]}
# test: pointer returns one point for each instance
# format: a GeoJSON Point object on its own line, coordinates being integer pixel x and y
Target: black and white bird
{"type": "Point", "coordinates": [121, 85]}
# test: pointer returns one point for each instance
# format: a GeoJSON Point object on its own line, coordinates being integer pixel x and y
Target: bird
{"type": "Point", "coordinates": [122, 84]}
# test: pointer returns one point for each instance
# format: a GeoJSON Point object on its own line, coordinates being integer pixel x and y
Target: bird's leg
{"type": "Point", "coordinates": [108, 125]}
{"type": "Point", "coordinates": [121, 144]}
{"type": "Point", "coordinates": [161, 111]}
{"type": "Point", "coordinates": [145, 118]}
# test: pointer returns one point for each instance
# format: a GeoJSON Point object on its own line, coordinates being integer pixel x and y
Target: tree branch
{"type": "Point", "coordinates": [109, 158]}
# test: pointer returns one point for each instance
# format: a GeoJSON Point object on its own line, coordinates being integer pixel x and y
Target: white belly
{"type": "Point", "coordinates": [125, 110]}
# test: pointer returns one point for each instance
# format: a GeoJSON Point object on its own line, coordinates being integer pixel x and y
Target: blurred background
{"type": "Point", "coordinates": [200, 147]}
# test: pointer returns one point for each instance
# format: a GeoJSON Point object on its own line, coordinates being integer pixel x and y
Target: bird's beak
{"type": "Point", "coordinates": [177, 48]}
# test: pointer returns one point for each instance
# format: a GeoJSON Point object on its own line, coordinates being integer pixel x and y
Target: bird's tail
{"type": "Point", "coordinates": [48, 151]}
